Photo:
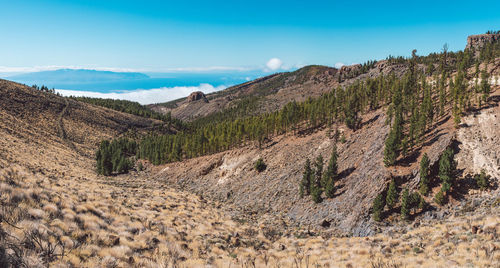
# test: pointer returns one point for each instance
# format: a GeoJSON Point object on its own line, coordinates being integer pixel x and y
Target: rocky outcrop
{"type": "Point", "coordinates": [198, 95]}
{"type": "Point", "coordinates": [476, 42]}
{"type": "Point", "coordinates": [479, 143]}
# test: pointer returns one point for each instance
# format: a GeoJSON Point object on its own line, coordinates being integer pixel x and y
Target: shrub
{"type": "Point", "coordinates": [482, 180]}
{"type": "Point", "coordinates": [439, 198]}
{"type": "Point", "coordinates": [260, 165]}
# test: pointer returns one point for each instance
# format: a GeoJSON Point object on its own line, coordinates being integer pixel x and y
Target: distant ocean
{"type": "Point", "coordinates": [147, 89]}
{"type": "Point", "coordinates": [166, 81]}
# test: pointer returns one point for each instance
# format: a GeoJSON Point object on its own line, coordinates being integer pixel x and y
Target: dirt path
{"type": "Point", "coordinates": [62, 131]}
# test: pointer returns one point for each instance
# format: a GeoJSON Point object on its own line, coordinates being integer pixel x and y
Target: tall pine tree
{"type": "Point", "coordinates": [392, 195]}
{"type": "Point", "coordinates": [331, 174]}
{"type": "Point", "coordinates": [424, 175]}
{"type": "Point", "coordinates": [307, 176]}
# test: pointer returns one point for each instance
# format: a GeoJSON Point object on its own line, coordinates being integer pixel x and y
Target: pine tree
{"type": "Point", "coordinates": [485, 86]}
{"type": "Point", "coordinates": [457, 116]}
{"type": "Point", "coordinates": [424, 174]}
{"type": "Point", "coordinates": [391, 149]}
{"type": "Point", "coordinates": [98, 158]}
{"type": "Point", "coordinates": [316, 194]}
{"type": "Point", "coordinates": [331, 174]}
{"type": "Point", "coordinates": [415, 200]}
{"type": "Point", "coordinates": [104, 157]}
{"type": "Point", "coordinates": [392, 195]}
{"type": "Point", "coordinates": [305, 184]}
{"type": "Point", "coordinates": [318, 172]}
{"type": "Point", "coordinates": [393, 141]}
{"type": "Point", "coordinates": [122, 165]}
{"type": "Point", "coordinates": [447, 169]}
{"type": "Point", "coordinates": [404, 147]}
{"type": "Point", "coordinates": [405, 204]}
{"type": "Point", "coordinates": [378, 207]}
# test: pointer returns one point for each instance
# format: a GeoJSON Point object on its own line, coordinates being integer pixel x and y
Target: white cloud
{"type": "Point", "coordinates": [146, 96]}
{"type": "Point", "coordinates": [339, 65]}
{"type": "Point", "coordinates": [274, 64]}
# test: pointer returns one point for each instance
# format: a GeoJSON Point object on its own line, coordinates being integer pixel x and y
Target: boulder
{"type": "Point", "coordinates": [196, 96]}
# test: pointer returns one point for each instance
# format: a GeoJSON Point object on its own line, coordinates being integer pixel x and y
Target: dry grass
{"type": "Point", "coordinates": [178, 229]}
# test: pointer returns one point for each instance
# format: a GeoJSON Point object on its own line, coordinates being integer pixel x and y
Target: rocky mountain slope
{"type": "Point", "coordinates": [276, 90]}
{"type": "Point", "coordinates": [230, 177]}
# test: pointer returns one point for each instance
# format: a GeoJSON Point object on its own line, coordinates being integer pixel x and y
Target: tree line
{"type": "Point", "coordinates": [132, 107]}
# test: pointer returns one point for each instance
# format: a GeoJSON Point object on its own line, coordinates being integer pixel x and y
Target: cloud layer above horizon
{"type": "Point", "coordinates": [146, 96]}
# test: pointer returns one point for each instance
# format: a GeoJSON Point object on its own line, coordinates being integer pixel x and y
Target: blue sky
{"type": "Point", "coordinates": [159, 36]}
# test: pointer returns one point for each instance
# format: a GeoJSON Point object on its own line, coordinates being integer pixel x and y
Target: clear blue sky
{"type": "Point", "coordinates": [159, 35]}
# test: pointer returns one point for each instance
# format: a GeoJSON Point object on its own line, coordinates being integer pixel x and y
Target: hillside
{"type": "Point", "coordinates": [273, 92]}
{"type": "Point", "coordinates": [193, 198]}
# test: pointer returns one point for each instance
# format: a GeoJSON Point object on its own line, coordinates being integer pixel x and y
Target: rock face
{"type": "Point", "coordinates": [198, 95]}
{"type": "Point", "coordinates": [478, 41]}
{"type": "Point", "coordinates": [479, 143]}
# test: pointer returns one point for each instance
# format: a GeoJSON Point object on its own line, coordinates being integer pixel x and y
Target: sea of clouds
{"type": "Point", "coordinates": [146, 96]}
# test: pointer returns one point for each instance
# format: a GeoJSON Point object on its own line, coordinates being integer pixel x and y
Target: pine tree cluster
{"type": "Point", "coordinates": [314, 181]}
{"type": "Point", "coordinates": [113, 157]}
